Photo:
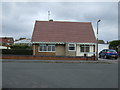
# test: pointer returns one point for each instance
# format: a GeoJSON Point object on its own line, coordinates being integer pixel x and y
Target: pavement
{"type": "Point", "coordinates": [65, 61]}
{"type": "Point", "coordinates": [80, 74]}
{"type": "Point", "coordinates": [109, 60]}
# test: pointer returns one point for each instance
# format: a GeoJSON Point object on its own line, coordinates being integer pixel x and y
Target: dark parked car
{"type": "Point", "coordinates": [108, 53]}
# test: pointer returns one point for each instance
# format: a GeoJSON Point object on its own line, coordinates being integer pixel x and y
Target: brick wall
{"type": "Point", "coordinates": [45, 57]}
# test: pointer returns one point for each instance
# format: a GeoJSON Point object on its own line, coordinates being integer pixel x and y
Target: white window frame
{"type": "Point", "coordinates": [85, 49]}
{"type": "Point", "coordinates": [74, 45]}
{"type": "Point", "coordinates": [47, 47]}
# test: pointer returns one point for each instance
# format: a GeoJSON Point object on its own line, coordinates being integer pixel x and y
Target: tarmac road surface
{"type": "Point", "coordinates": [59, 75]}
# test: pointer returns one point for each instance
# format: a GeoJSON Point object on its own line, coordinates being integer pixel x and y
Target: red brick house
{"type": "Point", "coordinates": [61, 38]}
{"type": "Point", "coordinates": [6, 41]}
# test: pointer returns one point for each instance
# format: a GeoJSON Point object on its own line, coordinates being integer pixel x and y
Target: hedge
{"type": "Point", "coordinates": [17, 52]}
{"type": "Point", "coordinates": [22, 46]}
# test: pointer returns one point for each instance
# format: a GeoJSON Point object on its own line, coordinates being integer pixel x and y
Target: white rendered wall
{"type": "Point", "coordinates": [91, 48]}
{"type": "Point", "coordinates": [102, 46]}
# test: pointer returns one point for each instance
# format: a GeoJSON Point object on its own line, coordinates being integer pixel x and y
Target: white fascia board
{"type": "Point", "coordinates": [64, 43]}
{"type": "Point", "coordinates": [71, 43]}
{"type": "Point", "coordinates": [87, 43]}
{"type": "Point", "coordinates": [49, 42]}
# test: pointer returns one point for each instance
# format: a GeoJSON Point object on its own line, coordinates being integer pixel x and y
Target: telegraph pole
{"type": "Point", "coordinates": [97, 40]}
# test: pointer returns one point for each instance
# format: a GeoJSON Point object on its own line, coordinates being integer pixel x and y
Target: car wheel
{"type": "Point", "coordinates": [116, 58]}
{"type": "Point", "coordinates": [99, 56]}
{"type": "Point", "coordinates": [105, 57]}
{"type": "Point", "coordinates": [102, 57]}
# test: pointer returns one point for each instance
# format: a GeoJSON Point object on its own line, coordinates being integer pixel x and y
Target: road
{"type": "Point", "coordinates": [0, 74]}
{"type": "Point", "coordinates": [59, 75]}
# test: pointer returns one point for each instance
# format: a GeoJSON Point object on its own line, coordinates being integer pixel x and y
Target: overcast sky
{"type": "Point", "coordinates": [18, 19]}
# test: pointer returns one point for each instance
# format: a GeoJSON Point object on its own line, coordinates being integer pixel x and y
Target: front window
{"type": "Point", "coordinates": [84, 48]}
{"type": "Point", "coordinates": [47, 47]}
{"type": "Point", "coordinates": [71, 47]}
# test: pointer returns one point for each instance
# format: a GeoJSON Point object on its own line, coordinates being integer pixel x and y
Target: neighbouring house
{"type": "Point", "coordinates": [24, 42]}
{"type": "Point", "coordinates": [101, 42]}
{"type": "Point", "coordinates": [22, 38]}
{"type": "Point", "coordinates": [60, 38]}
{"type": "Point", "coordinates": [6, 41]}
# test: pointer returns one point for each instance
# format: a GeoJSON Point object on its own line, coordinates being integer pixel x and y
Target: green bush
{"type": "Point", "coordinates": [17, 52]}
{"type": "Point", "coordinates": [21, 47]}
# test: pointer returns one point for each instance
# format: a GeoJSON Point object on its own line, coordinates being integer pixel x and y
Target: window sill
{"type": "Point", "coordinates": [46, 51]}
{"type": "Point", "coordinates": [71, 50]}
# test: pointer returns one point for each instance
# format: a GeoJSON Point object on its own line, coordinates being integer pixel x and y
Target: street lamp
{"type": "Point", "coordinates": [97, 40]}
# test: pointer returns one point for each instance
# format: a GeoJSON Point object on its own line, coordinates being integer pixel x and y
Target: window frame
{"type": "Point", "coordinates": [47, 45]}
{"type": "Point", "coordinates": [74, 46]}
{"type": "Point", "coordinates": [85, 48]}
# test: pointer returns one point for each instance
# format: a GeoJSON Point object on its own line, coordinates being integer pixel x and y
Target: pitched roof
{"type": "Point", "coordinates": [6, 40]}
{"type": "Point", "coordinates": [24, 41]}
{"type": "Point", "coordinates": [57, 31]}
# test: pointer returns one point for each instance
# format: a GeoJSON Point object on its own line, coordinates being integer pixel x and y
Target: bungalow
{"type": "Point", "coordinates": [59, 38]}
{"type": "Point", "coordinates": [23, 42]}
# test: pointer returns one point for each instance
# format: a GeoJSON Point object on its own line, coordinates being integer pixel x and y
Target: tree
{"type": "Point", "coordinates": [114, 44]}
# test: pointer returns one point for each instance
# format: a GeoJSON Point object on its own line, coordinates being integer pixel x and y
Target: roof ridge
{"type": "Point", "coordinates": [62, 21]}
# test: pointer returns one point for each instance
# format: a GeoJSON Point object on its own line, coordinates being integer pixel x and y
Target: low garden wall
{"type": "Point", "coordinates": [31, 57]}
{"type": "Point", "coordinates": [28, 55]}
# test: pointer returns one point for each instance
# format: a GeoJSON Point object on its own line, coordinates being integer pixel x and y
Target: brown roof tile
{"type": "Point", "coordinates": [57, 31]}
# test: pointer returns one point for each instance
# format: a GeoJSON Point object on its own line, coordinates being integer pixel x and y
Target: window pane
{"type": "Point", "coordinates": [81, 48]}
{"type": "Point", "coordinates": [44, 48]}
{"type": "Point", "coordinates": [49, 48]}
{"type": "Point", "coordinates": [87, 49]}
{"type": "Point", "coordinates": [71, 46]}
{"type": "Point", "coordinates": [41, 48]}
{"type": "Point", "coordinates": [53, 47]}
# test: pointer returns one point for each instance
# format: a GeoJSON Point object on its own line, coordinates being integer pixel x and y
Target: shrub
{"type": "Point", "coordinates": [21, 47]}
{"type": "Point", "coordinates": [17, 52]}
